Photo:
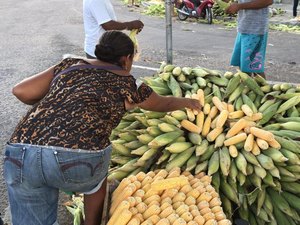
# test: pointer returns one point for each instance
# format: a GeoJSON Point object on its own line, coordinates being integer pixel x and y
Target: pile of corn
{"type": "Point", "coordinates": [242, 138]}
{"type": "Point", "coordinates": [161, 197]}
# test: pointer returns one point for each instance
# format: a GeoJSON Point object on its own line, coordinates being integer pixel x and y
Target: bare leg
{"type": "Point", "coordinates": [93, 206]}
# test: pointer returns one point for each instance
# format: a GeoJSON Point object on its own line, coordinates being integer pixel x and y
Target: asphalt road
{"type": "Point", "coordinates": [35, 34]}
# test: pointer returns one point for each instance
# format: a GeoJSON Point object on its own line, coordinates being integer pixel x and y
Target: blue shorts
{"type": "Point", "coordinates": [249, 52]}
{"type": "Point", "coordinates": [35, 174]}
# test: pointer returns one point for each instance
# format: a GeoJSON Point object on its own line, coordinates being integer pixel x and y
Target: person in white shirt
{"type": "Point", "coordinates": [98, 17]}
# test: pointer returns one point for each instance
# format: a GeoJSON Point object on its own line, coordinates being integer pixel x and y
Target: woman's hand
{"type": "Point", "coordinates": [194, 104]}
{"type": "Point", "coordinates": [135, 24]}
{"type": "Point", "coordinates": [233, 8]}
{"type": "Point", "coordinates": [160, 103]}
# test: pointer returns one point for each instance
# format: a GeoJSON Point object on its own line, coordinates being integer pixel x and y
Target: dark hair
{"type": "Point", "coordinates": [112, 46]}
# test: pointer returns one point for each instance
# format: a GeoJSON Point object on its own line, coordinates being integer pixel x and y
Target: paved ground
{"type": "Point", "coordinates": [35, 34]}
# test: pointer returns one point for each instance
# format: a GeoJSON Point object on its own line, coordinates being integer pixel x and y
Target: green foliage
{"type": "Point", "coordinates": [155, 10]}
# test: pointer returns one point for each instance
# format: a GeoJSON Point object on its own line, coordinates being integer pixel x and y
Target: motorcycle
{"type": "Point", "coordinates": [195, 8]}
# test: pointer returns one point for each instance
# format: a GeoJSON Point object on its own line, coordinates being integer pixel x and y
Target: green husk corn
{"type": "Point", "coordinates": [266, 88]}
{"type": "Point", "coordinates": [200, 149]}
{"type": "Point", "coordinates": [141, 150]}
{"type": "Point", "coordinates": [279, 201]}
{"type": "Point", "coordinates": [241, 163]}
{"type": "Point", "coordinates": [259, 171]}
{"type": "Point", "coordinates": [265, 161]}
{"type": "Point", "coordinates": [117, 175]}
{"type": "Point", "coordinates": [161, 90]}
{"type": "Point", "coordinates": [165, 155]}
{"type": "Point", "coordinates": [179, 115]}
{"type": "Point", "coordinates": [284, 172]}
{"type": "Point", "coordinates": [288, 104]}
{"type": "Point", "coordinates": [233, 172]}
{"type": "Point", "coordinates": [220, 81]}
{"type": "Point", "coordinates": [213, 163]}
{"type": "Point", "coordinates": [191, 163]}
{"type": "Point", "coordinates": [148, 154]}
{"type": "Point", "coordinates": [232, 85]}
{"type": "Point", "coordinates": [119, 159]}
{"type": "Point", "coordinates": [129, 166]}
{"type": "Point", "coordinates": [255, 180]}
{"type": "Point", "coordinates": [291, 156]}
{"type": "Point", "coordinates": [185, 86]}
{"type": "Point", "coordinates": [154, 115]}
{"type": "Point", "coordinates": [295, 126]}
{"type": "Point", "coordinates": [199, 72]}
{"type": "Point", "coordinates": [249, 102]}
{"type": "Point", "coordinates": [241, 178]}
{"type": "Point", "coordinates": [165, 76]}
{"type": "Point", "coordinates": [292, 199]}
{"type": "Point", "coordinates": [269, 112]}
{"type": "Point", "coordinates": [121, 149]}
{"type": "Point", "coordinates": [238, 103]}
{"type": "Point", "coordinates": [171, 120]}
{"type": "Point", "coordinates": [142, 119]}
{"type": "Point", "coordinates": [207, 154]}
{"type": "Point", "coordinates": [154, 122]}
{"type": "Point", "coordinates": [288, 144]}
{"type": "Point", "coordinates": [127, 136]}
{"type": "Point", "coordinates": [186, 70]}
{"type": "Point", "coordinates": [133, 144]}
{"type": "Point", "coordinates": [166, 127]}
{"type": "Point", "coordinates": [275, 172]}
{"type": "Point", "coordinates": [154, 131]}
{"type": "Point", "coordinates": [292, 187]}
{"type": "Point", "coordinates": [266, 105]}
{"type": "Point", "coordinates": [180, 159]}
{"type": "Point", "coordinates": [216, 91]}
{"type": "Point", "coordinates": [201, 82]}
{"type": "Point", "coordinates": [201, 167]}
{"type": "Point", "coordinates": [251, 83]}
{"type": "Point", "coordinates": [145, 138]}
{"type": "Point", "coordinates": [174, 87]}
{"type": "Point", "coordinates": [229, 192]}
{"type": "Point", "coordinates": [275, 154]}
{"type": "Point", "coordinates": [195, 138]}
{"type": "Point", "coordinates": [177, 147]}
{"type": "Point", "coordinates": [165, 139]}
{"type": "Point", "coordinates": [269, 180]}
{"type": "Point", "coordinates": [250, 157]}
{"type": "Point", "coordinates": [176, 71]}
{"type": "Point", "coordinates": [286, 133]}
{"type": "Point", "coordinates": [168, 68]}
{"type": "Point", "coordinates": [225, 161]}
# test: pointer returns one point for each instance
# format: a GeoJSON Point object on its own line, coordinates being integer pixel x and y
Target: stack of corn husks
{"type": "Point", "coordinates": [245, 138]}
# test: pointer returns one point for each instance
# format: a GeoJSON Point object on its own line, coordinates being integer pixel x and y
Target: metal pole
{"type": "Point", "coordinates": [168, 14]}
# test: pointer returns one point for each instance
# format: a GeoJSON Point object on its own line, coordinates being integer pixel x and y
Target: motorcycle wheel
{"type": "Point", "coordinates": [182, 16]}
{"type": "Point", "coordinates": [209, 15]}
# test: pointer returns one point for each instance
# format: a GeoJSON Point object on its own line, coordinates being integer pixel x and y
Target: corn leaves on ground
{"type": "Point", "coordinates": [245, 138]}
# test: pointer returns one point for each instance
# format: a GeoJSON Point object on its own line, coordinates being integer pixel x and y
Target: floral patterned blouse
{"type": "Point", "coordinates": [81, 108]}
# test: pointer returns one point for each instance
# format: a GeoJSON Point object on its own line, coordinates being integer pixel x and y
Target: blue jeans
{"type": "Point", "coordinates": [35, 174]}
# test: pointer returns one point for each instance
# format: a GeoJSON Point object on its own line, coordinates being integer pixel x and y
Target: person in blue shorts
{"type": "Point", "coordinates": [251, 41]}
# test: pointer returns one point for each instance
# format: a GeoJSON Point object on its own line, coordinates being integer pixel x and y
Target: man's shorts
{"type": "Point", "coordinates": [249, 52]}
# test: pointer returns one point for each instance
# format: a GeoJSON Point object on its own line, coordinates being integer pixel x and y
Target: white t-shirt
{"type": "Point", "coordinates": [95, 13]}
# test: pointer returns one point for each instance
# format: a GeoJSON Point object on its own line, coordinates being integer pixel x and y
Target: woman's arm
{"type": "Point", "coordinates": [34, 88]}
{"type": "Point", "coordinates": [160, 103]}
{"type": "Point", "coordinates": [256, 4]}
